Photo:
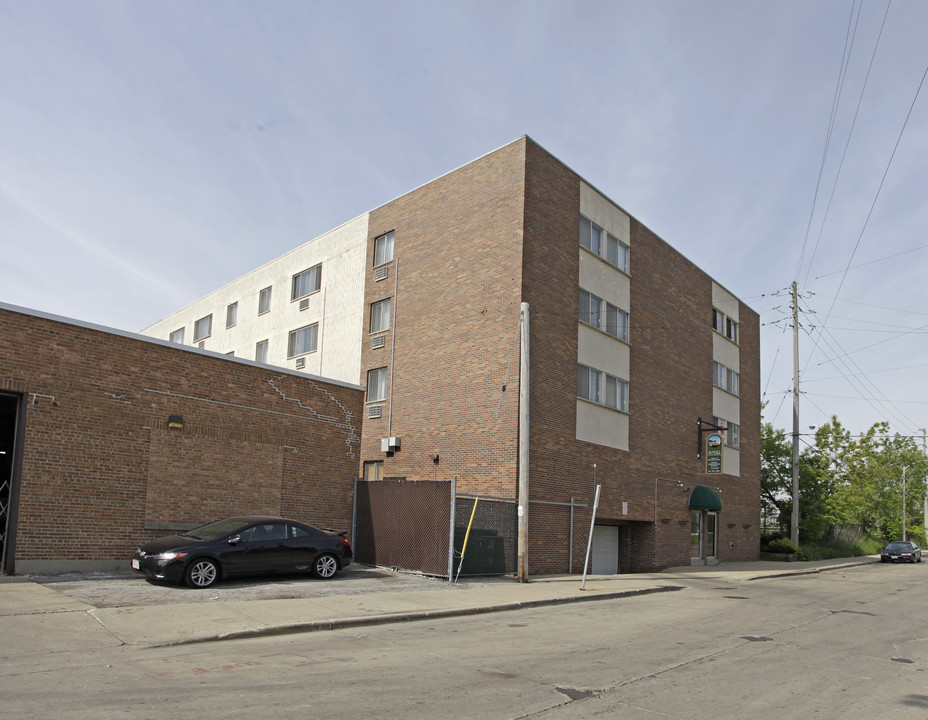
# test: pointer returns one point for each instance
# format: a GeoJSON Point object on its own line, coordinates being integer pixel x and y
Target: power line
{"type": "Point", "coordinates": [836, 100]}
{"type": "Point", "coordinates": [873, 204]}
{"type": "Point", "coordinates": [870, 262]}
{"type": "Point", "coordinates": [847, 142]}
{"type": "Point", "coordinates": [877, 307]}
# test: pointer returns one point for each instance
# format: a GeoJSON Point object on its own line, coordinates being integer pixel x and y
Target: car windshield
{"type": "Point", "coordinates": [214, 530]}
{"type": "Point", "coordinates": [899, 546]}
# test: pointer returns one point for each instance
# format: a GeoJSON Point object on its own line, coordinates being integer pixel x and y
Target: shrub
{"type": "Point", "coordinates": [782, 545]}
{"type": "Point", "coordinates": [768, 538]}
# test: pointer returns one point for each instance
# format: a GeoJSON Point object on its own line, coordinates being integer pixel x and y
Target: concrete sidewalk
{"type": "Point", "coordinates": [36, 618]}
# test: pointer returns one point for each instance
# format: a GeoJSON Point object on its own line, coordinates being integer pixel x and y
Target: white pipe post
{"type": "Point", "coordinates": [589, 543]}
{"type": "Point", "coordinates": [523, 443]}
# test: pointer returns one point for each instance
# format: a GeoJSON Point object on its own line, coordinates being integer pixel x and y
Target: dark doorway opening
{"type": "Point", "coordinates": [9, 413]}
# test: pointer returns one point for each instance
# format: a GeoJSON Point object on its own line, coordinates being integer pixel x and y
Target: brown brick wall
{"type": "Point", "coordinates": [99, 462]}
{"type": "Point", "coordinates": [457, 271]}
{"type": "Point", "coordinates": [470, 247]}
{"type": "Point", "coordinates": [670, 387]}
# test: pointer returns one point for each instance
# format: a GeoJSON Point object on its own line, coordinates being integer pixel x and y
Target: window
{"type": "Point", "coordinates": [731, 330]}
{"type": "Point", "coordinates": [177, 336]}
{"type": "Point", "coordinates": [377, 385]}
{"type": "Point", "coordinates": [380, 316]}
{"type": "Point", "coordinates": [203, 328]}
{"type": "Point", "coordinates": [602, 388]}
{"type": "Point", "coordinates": [373, 470]}
{"type": "Point", "coordinates": [732, 431]}
{"type": "Point", "coordinates": [604, 244]}
{"type": "Point", "coordinates": [264, 301]}
{"type": "Point", "coordinates": [232, 315]}
{"type": "Point", "coordinates": [302, 341]}
{"type": "Point", "coordinates": [725, 378]}
{"type": "Point", "coordinates": [616, 253]}
{"type": "Point", "coordinates": [306, 282]}
{"type": "Point", "coordinates": [732, 381]}
{"type": "Point", "coordinates": [733, 435]}
{"type": "Point", "coordinates": [591, 236]}
{"type": "Point", "coordinates": [724, 325]}
{"type": "Point", "coordinates": [261, 352]}
{"type": "Point", "coordinates": [603, 315]}
{"type": "Point", "coordinates": [383, 249]}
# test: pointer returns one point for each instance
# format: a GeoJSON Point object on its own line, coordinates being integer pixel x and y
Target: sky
{"type": "Point", "coordinates": [152, 152]}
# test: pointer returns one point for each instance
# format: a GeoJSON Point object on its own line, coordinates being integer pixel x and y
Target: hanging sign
{"type": "Point", "coordinates": [714, 453]}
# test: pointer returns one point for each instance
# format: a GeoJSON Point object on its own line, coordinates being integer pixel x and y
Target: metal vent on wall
{"type": "Point", "coordinates": [378, 341]}
{"type": "Point", "coordinates": [201, 344]}
{"type": "Point", "coordinates": [381, 273]}
{"type": "Point", "coordinates": [374, 411]}
{"type": "Point", "coordinates": [304, 304]}
{"type": "Point", "coordinates": [300, 363]}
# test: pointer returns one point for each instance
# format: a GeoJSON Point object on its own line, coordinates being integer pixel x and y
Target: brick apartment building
{"type": "Point", "coordinates": [110, 439]}
{"type": "Point", "coordinates": [630, 346]}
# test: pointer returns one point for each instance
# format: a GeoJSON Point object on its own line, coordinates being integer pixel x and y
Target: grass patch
{"type": "Point", "coordinates": [840, 549]}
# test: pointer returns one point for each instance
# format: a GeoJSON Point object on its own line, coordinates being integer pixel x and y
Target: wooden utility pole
{"type": "Point", "coordinates": [794, 523]}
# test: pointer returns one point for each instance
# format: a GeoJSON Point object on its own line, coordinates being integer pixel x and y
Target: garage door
{"type": "Point", "coordinates": [605, 550]}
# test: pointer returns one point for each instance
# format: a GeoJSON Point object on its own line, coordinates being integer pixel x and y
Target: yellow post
{"type": "Point", "coordinates": [467, 535]}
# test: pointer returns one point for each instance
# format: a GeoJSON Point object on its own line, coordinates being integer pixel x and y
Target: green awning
{"type": "Point", "coordinates": [702, 498]}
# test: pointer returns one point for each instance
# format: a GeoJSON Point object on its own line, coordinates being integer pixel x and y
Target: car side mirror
{"type": "Point", "coordinates": [235, 540]}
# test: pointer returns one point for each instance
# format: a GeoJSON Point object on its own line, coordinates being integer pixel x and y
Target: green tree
{"type": "Point", "coordinates": [846, 481]}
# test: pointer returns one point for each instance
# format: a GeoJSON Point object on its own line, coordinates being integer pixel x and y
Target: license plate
{"type": "Point", "coordinates": [136, 565]}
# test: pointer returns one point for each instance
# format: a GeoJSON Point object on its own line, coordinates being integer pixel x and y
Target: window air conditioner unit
{"type": "Point", "coordinates": [304, 304]}
{"type": "Point", "coordinates": [378, 341]}
{"type": "Point", "coordinates": [300, 363]}
{"type": "Point", "coordinates": [381, 273]}
{"type": "Point", "coordinates": [390, 444]}
{"type": "Point", "coordinates": [374, 412]}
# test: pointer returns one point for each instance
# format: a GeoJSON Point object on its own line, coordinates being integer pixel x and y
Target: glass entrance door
{"type": "Point", "coordinates": [696, 536]}
{"type": "Point", "coordinates": [711, 543]}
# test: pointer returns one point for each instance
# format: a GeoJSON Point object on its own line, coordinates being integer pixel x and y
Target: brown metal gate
{"type": "Point", "coordinates": [403, 524]}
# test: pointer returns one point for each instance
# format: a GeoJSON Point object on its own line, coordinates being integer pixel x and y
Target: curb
{"type": "Point", "coordinates": [389, 618]}
{"type": "Point", "coordinates": [813, 571]}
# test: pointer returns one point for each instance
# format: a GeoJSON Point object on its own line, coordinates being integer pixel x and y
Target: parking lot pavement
{"type": "Point", "coordinates": [129, 589]}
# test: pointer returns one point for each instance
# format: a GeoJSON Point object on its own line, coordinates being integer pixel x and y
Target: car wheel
{"type": "Point", "coordinates": [202, 573]}
{"type": "Point", "coordinates": [326, 566]}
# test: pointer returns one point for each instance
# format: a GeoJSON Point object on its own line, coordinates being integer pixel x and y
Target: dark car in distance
{"type": "Point", "coordinates": [901, 551]}
{"type": "Point", "coordinates": [244, 545]}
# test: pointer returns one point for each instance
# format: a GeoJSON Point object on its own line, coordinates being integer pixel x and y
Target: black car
{"type": "Point", "coordinates": [901, 551]}
{"type": "Point", "coordinates": [247, 545]}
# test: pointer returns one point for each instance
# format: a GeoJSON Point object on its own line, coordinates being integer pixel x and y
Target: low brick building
{"type": "Point", "coordinates": [109, 439]}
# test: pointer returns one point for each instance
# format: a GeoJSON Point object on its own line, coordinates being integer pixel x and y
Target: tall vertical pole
{"type": "Point", "coordinates": [589, 543]}
{"type": "Point", "coordinates": [925, 503]}
{"type": "Point", "coordinates": [454, 495]}
{"type": "Point", "coordinates": [794, 523]}
{"type": "Point", "coordinates": [523, 442]}
{"type": "Point", "coordinates": [904, 535]}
